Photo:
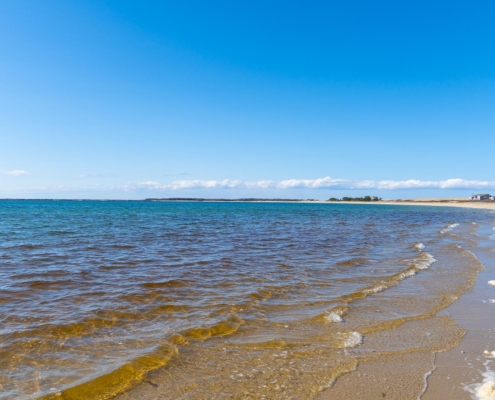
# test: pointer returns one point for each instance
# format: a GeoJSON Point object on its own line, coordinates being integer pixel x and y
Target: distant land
{"type": "Point", "coordinates": [231, 200]}
{"type": "Point", "coordinates": [255, 199]}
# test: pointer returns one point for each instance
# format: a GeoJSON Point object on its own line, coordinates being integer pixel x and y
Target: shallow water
{"type": "Point", "coordinates": [95, 295]}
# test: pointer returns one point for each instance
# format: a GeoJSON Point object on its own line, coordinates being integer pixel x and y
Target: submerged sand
{"type": "Point", "coordinates": [448, 353]}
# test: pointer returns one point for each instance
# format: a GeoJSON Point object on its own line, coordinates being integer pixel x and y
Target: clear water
{"type": "Point", "coordinates": [94, 295]}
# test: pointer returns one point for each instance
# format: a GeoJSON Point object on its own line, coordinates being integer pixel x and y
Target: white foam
{"type": "Point", "coordinates": [375, 289]}
{"type": "Point", "coordinates": [333, 317]}
{"type": "Point", "coordinates": [491, 301]}
{"type": "Point", "coordinates": [449, 228]}
{"type": "Point", "coordinates": [420, 246]}
{"type": "Point", "coordinates": [491, 283]}
{"type": "Point", "coordinates": [353, 339]}
{"type": "Point", "coordinates": [425, 379]}
{"type": "Point", "coordinates": [486, 389]}
{"type": "Point", "coordinates": [424, 264]}
{"type": "Point", "coordinates": [407, 274]}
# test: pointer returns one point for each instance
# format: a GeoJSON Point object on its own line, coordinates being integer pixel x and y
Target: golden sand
{"type": "Point", "coordinates": [441, 202]}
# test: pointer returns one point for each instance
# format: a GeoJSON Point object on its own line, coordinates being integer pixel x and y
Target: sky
{"type": "Point", "coordinates": [290, 99]}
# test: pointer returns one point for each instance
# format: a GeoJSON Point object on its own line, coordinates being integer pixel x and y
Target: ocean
{"type": "Point", "coordinates": [224, 300]}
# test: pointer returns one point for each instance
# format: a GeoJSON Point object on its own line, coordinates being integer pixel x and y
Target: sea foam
{"type": "Point", "coordinates": [420, 246]}
{"type": "Point", "coordinates": [333, 317]}
{"type": "Point", "coordinates": [449, 228]}
{"type": "Point", "coordinates": [425, 263]}
{"type": "Point", "coordinates": [376, 288]}
{"type": "Point", "coordinates": [486, 389]}
{"type": "Point", "coordinates": [353, 339]}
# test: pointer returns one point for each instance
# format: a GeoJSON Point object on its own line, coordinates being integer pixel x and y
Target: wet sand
{"type": "Point", "coordinates": [460, 372]}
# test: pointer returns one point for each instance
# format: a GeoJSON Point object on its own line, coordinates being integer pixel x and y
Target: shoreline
{"type": "Point", "coordinates": [438, 203]}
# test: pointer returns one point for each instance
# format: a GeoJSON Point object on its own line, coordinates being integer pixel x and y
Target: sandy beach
{"type": "Point", "coordinates": [443, 202]}
{"type": "Point", "coordinates": [446, 203]}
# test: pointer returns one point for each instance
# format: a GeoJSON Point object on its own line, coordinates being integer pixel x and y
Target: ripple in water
{"type": "Point", "coordinates": [96, 294]}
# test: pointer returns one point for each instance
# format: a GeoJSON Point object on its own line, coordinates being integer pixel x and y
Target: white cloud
{"type": "Point", "coordinates": [16, 172]}
{"type": "Point", "coordinates": [320, 183]}
{"type": "Point", "coordinates": [325, 183]}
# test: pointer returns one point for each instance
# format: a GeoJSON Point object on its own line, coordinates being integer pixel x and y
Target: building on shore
{"type": "Point", "coordinates": [481, 197]}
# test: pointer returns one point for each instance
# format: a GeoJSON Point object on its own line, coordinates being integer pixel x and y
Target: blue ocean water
{"type": "Point", "coordinates": [89, 287]}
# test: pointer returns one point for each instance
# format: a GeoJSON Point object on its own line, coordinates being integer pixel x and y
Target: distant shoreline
{"type": "Point", "coordinates": [241, 200]}
{"type": "Point", "coordinates": [440, 202]}
{"type": "Point", "coordinates": [489, 205]}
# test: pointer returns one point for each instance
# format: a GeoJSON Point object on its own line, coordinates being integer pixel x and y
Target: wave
{"type": "Point", "coordinates": [353, 262]}
{"type": "Point", "coordinates": [424, 261]}
{"type": "Point", "coordinates": [449, 228]}
{"type": "Point", "coordinates": [133, 371]}
{"type": "Point", "coordinates": [117, 381]}
{"type": "Point", "coordinates": [222, 328]}
{"type": "Point", "coordinates": [164, 284]}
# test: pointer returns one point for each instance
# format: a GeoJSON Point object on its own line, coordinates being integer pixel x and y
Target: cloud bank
{"type": "Point", "coordinates": [320, 183]}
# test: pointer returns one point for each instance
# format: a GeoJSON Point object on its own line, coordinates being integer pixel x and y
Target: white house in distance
{"type": "Point", "coordinates": [481, 197]}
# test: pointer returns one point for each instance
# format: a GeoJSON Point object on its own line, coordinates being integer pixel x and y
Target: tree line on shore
{"type": "Point", "coordinates": [365, 198]}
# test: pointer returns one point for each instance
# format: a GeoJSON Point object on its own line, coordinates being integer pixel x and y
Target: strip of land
{"type": "Point", "coordinates": [445, 202]}
{"type": "Point", "coordinates": [439, 202]}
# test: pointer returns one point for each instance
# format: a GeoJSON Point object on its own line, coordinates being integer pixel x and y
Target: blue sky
{"type": "Point", "coordinates": [122, 99]}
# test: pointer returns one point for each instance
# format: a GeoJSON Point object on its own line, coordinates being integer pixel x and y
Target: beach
{"type": "Point", "coordinates": [444, 202]}
{"type": "Point", "coordinates": [246, 300]}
